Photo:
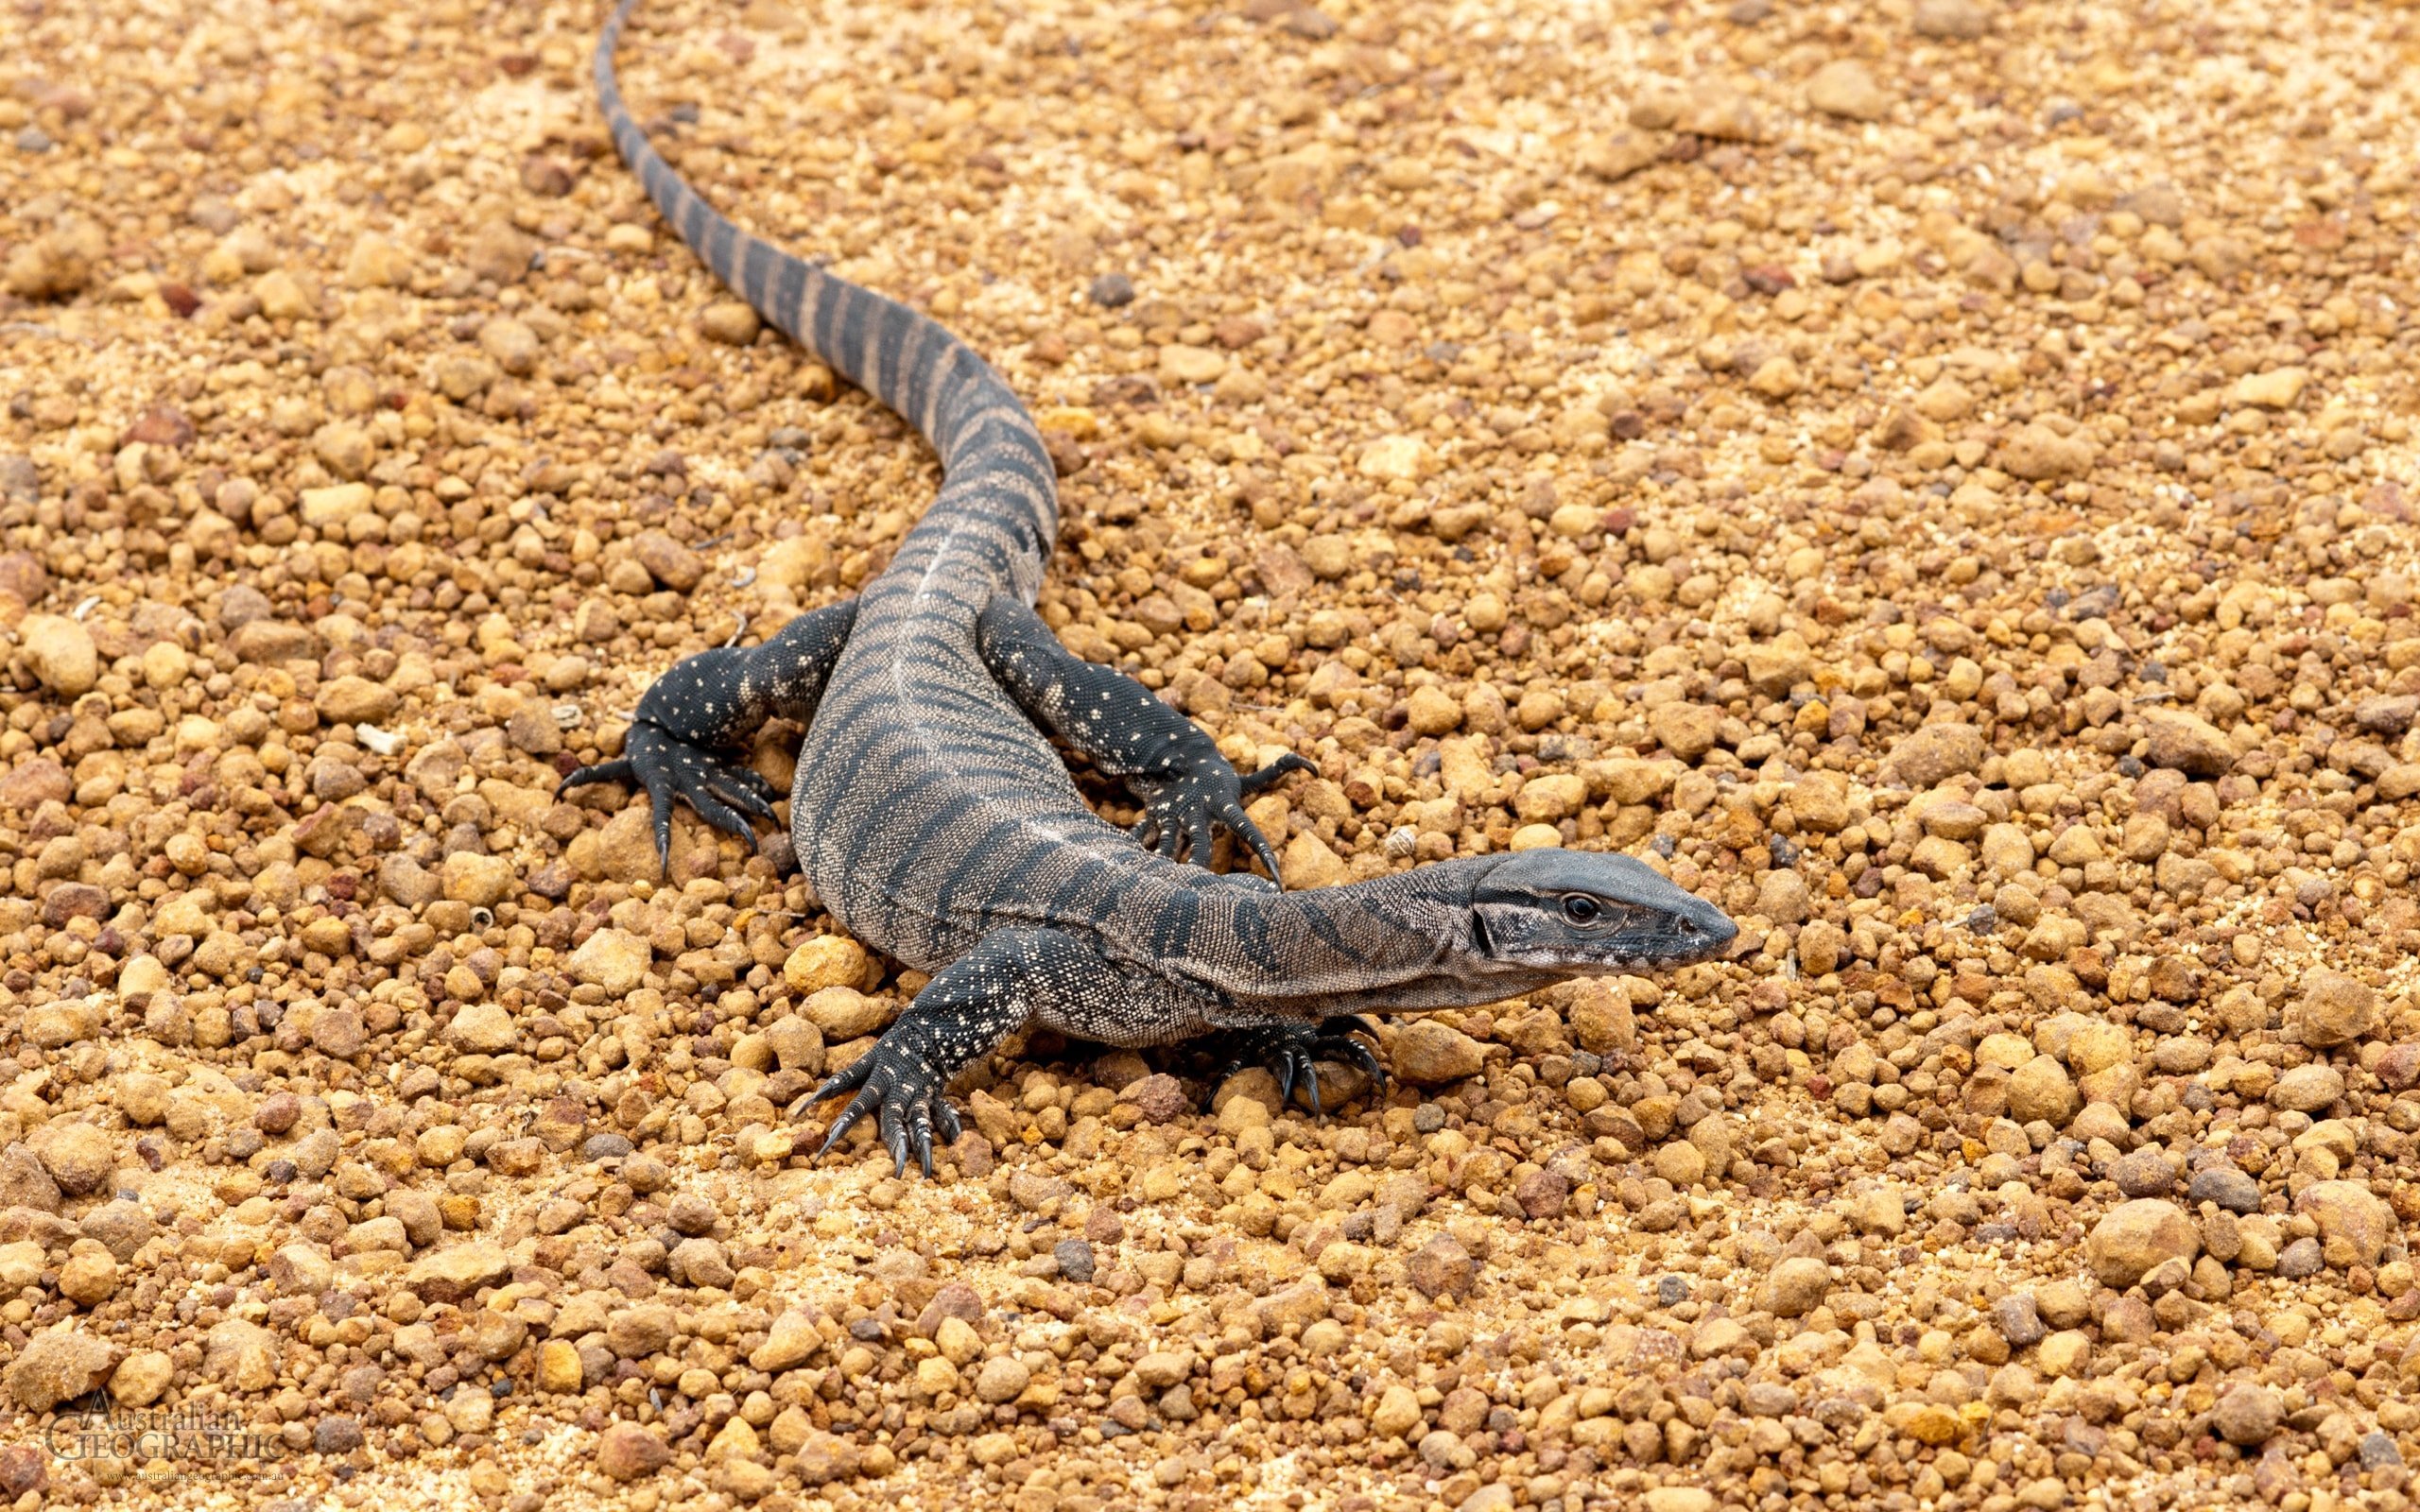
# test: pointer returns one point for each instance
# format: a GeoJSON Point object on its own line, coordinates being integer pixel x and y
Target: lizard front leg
{"type": "Point", "coordinates": [977, 1000]}
{"type": "Point", "coordinates": [1292, 1049]}
{"type": "Point", "coordinates": [694, 723]}
{"type": "Point", "coordinates": [1126, 1005]}
{"type": "Point", "coordinates": [1167, 759]}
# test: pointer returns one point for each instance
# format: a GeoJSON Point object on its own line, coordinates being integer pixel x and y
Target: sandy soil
{"type": "Point", "coordinates": [1937, 477]}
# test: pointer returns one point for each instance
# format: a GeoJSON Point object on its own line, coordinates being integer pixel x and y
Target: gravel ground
{"type": "Point", "coordinates": [1937, 474]}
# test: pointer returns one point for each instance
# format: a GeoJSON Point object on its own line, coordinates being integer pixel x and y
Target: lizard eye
{"type": "Point", "coordinates": [1581, 908]}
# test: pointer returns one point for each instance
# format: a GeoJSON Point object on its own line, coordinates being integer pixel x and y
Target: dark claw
{"type": "Point", "coordinates": [894, 1137]}
{"type": "Point", "coordinates": [841, 1081]}
{"type": "Point", "coordinates": [765, 787]}
{"type": "Point", "coordinates": [1239, 823]}
{"type": "Point", "coordinates": [1291, 1053]}
{"type": "Point", "coordinates": [659, 802]}
{"type": "Point", "coordinates": [1255, 782]}
{"type": "Point", "coordinates": [1353, 1051]}
{"type": "Point", "coordinates": [744, 787]}
{"type": "Point", "coordinates": [903, 1092]}
{"type": "Point", "coordinates": [750, 800]}
{"type": "Point", "coordinates": [617, 770]}
{"type": "Point", "coordinates": [849, 1115]}
{"type": "Point", "coordinates": [712, 809]}
{"type": "Point", "coordinates": [833, 1086]}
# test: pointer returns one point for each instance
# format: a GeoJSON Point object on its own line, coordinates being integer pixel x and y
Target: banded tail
{"type": "Point", "coordinates": [918, 369]}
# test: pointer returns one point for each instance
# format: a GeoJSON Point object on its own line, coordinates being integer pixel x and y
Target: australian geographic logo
{"type": "Point", "coordinates": [169, 1434]}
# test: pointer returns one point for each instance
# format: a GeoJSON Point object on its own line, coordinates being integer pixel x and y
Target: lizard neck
{"type": "Point", "coordinates": [1396, 943]}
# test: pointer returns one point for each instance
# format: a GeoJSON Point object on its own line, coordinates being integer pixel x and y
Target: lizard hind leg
{"type": "Point", "coordinates": [725, 793]}
{"type": "Point", "coordinates": [1188, 791]}
{"type": "Point", "coordinates": [687, 740]}
{"type": "Point", "coordinates": [1291, 1052]}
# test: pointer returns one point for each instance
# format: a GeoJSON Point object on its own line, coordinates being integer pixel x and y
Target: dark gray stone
{"type": "Point", "coordinates": [2226, 1186]}
{"type": "Point", "coordinates": [1075, 1258]}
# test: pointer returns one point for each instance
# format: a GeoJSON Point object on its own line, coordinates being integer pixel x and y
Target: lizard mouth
{"type": "Point", "coordinates": [1702, 933]}
{"type": "Point", "coordinates": [1575, 911]}
{"type": "Point", "coordinates": [1646, 941]}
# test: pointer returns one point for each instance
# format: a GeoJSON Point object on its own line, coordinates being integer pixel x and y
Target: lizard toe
{"type": "Point", "coordinates": [712, 809]}
{"type": "Point", "coordinates": [1353, 1052]}
{"type": "Point", "coordinates": [893, 1124]}
{"type": "Point", "coordinates": [901, 1091]}
{"type": "Point", "coordinates": [920, 1138]}
{"type": "Point", "coordinates": [1291, 1053]}
{"type": "Point", "coordinates": [1199, 838]}
{"type": "Point", "coordinates": [839, 1082]}
{"type": "Point", "coordinates": [659, 804]}
{"type": "Point", "coordinates": [1255, 782]}
{"type": "Point", "coordinates": [748, 800]}
{"type": "Point", "coordinates": [1309, 1078]}
{"type": "Point", "coordinates": [864, 1103]}
{"type": "Point", "coordinates": [750, 780]}
{"type": "Point", "coordinates": [1287, 1063]}
{"type": "Point", "coordinates": [1239, 824]}
{"type": "Point", "coordinates": [617, 770]}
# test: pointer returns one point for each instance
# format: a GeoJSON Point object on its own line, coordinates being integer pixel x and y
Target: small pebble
{"type": "Point", "coordinates": [1075, 1258]}
{"type": "Point", "coordinates": [2226, 1186]}
{"type": "Point", "coordinates": [2144, 1173]}
{"type": "Point", "coordinates": [2301, 1259]}
{"type": "Point", "coordinates": [2248, 1416]}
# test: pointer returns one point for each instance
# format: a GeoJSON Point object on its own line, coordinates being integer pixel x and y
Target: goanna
{"type": "Point", "coordinates": [937, 822]}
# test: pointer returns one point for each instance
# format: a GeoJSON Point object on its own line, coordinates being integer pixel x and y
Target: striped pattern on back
{"type": "Point", "coordinates": [929, 810]}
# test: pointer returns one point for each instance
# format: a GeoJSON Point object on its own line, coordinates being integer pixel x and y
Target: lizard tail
{"type": "Point", "coordinates": [987, 442]}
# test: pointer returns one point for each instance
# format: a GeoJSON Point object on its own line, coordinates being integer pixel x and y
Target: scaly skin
{"type": "Point", "coordinates": [937, 822]}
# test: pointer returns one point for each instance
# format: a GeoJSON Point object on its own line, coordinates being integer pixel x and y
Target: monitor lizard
{"type": "Point", "coordinates": [935, 819]}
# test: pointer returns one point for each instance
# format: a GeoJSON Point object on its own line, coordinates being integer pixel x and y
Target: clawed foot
{"type": "Point", "coordinates": [898, 1083]}
{"type": "Point", "coordinates": [725, 792]}
{"type": "Point", "coordinates": [1291, 1052]}
{"type": "Point", "coordinates": [1179, 817]}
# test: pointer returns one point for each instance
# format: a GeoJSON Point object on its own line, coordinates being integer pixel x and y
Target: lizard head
{"type": "Point", "coordinates": [1577, 911]}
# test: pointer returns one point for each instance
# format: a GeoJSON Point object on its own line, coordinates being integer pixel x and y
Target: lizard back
{"type": "Point", "coordinates": [974, 822]}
